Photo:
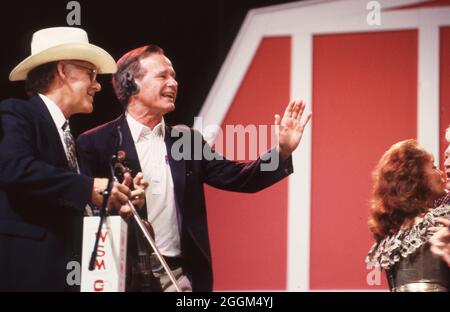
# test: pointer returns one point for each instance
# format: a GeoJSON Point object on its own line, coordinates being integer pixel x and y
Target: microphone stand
{"type": "Point", "coordinates": [106, 193]}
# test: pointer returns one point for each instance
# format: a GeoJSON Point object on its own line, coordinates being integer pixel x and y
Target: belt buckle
{"type": "Point", "coordinates": [155, 264]}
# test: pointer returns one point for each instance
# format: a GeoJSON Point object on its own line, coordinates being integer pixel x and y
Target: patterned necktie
{"type": "Point", "coordinates": [70, 145]}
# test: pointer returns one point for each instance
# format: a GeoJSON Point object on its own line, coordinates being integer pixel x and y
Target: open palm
{"type": "Point", "coordinates": [289, 129]}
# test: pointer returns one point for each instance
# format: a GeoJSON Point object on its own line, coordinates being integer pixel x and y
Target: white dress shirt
{"type": "Point", "coordinates": [59, 119]}
{"type": "Point", "coordinates": [159, 196]}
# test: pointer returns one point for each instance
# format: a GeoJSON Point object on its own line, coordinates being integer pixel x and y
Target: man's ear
{"type": "Point", "coordinates": [133, 87]}
{"type": "Point", "coordinates": [61, 72]}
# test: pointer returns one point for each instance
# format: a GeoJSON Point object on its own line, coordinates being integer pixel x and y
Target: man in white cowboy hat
{"type": "Point", "coordinates": [42, 195]}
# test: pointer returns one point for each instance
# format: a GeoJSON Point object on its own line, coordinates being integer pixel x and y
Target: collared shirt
{"type": "Point", "coordinates": [57, 116]}
{"type": "Point", "coordinates": [59, 119]}
{"type": "Point", "coordinates": [159, 196]}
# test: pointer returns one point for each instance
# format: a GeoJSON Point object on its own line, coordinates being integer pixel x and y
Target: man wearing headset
{"type": "Point", "coordinates": [145, 84]}
{"type": "Point", "coordinates": [42, 194]}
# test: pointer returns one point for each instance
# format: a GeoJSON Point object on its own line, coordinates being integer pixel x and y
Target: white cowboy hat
{"type": "Point", "coordinates": [63, 43]}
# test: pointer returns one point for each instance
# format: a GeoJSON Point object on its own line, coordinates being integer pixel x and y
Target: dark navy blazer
{"type": "Point", "coordinates": [41, 200]}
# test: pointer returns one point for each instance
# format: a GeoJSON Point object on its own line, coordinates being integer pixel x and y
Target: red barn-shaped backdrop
{"type": "Point", "coordinates": [373, 73]}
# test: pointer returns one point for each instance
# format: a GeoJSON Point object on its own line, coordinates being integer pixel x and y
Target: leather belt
{"type": "Point", "coordinates": [420, 287]}
{"type": "Point", "coordinates": [173, 263]}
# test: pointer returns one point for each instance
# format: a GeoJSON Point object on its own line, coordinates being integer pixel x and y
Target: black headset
{"type": "Point", "coordinates": [132, 87]}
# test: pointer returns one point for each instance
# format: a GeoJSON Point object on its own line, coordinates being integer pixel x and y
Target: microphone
{"type": "Point", "coordinates": [132, 87]}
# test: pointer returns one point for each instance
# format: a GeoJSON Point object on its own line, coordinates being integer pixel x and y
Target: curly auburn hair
{"type": "Point", "coordinates": [400, 190]}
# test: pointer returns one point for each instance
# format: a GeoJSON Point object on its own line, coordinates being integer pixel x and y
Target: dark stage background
{"type": "Point", "coordinates": [196, 35]}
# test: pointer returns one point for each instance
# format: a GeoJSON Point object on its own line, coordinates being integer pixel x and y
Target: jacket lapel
{"type": "Point", "coordinates": [178, 170]}
{"type": "Point", "coordinates": [124, 141]}
{"type": "Point", "coordinates": [127, 145]}
{"type": "Point", "coordinates": [52, 132]}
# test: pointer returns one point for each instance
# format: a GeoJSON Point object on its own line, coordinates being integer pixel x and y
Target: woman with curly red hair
{"type": "Point", "coordinates": [402, 218]}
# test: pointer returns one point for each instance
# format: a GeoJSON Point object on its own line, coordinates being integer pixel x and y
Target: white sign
{"type": "Point", "coordinates": [110, 265]}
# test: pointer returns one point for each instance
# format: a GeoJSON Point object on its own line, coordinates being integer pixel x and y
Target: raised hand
{"type": "Point", "coordinates": [289, 129]}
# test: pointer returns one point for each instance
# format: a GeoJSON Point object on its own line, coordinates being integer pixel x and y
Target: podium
{"type": "Point", "coordinates": [110, 265]}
